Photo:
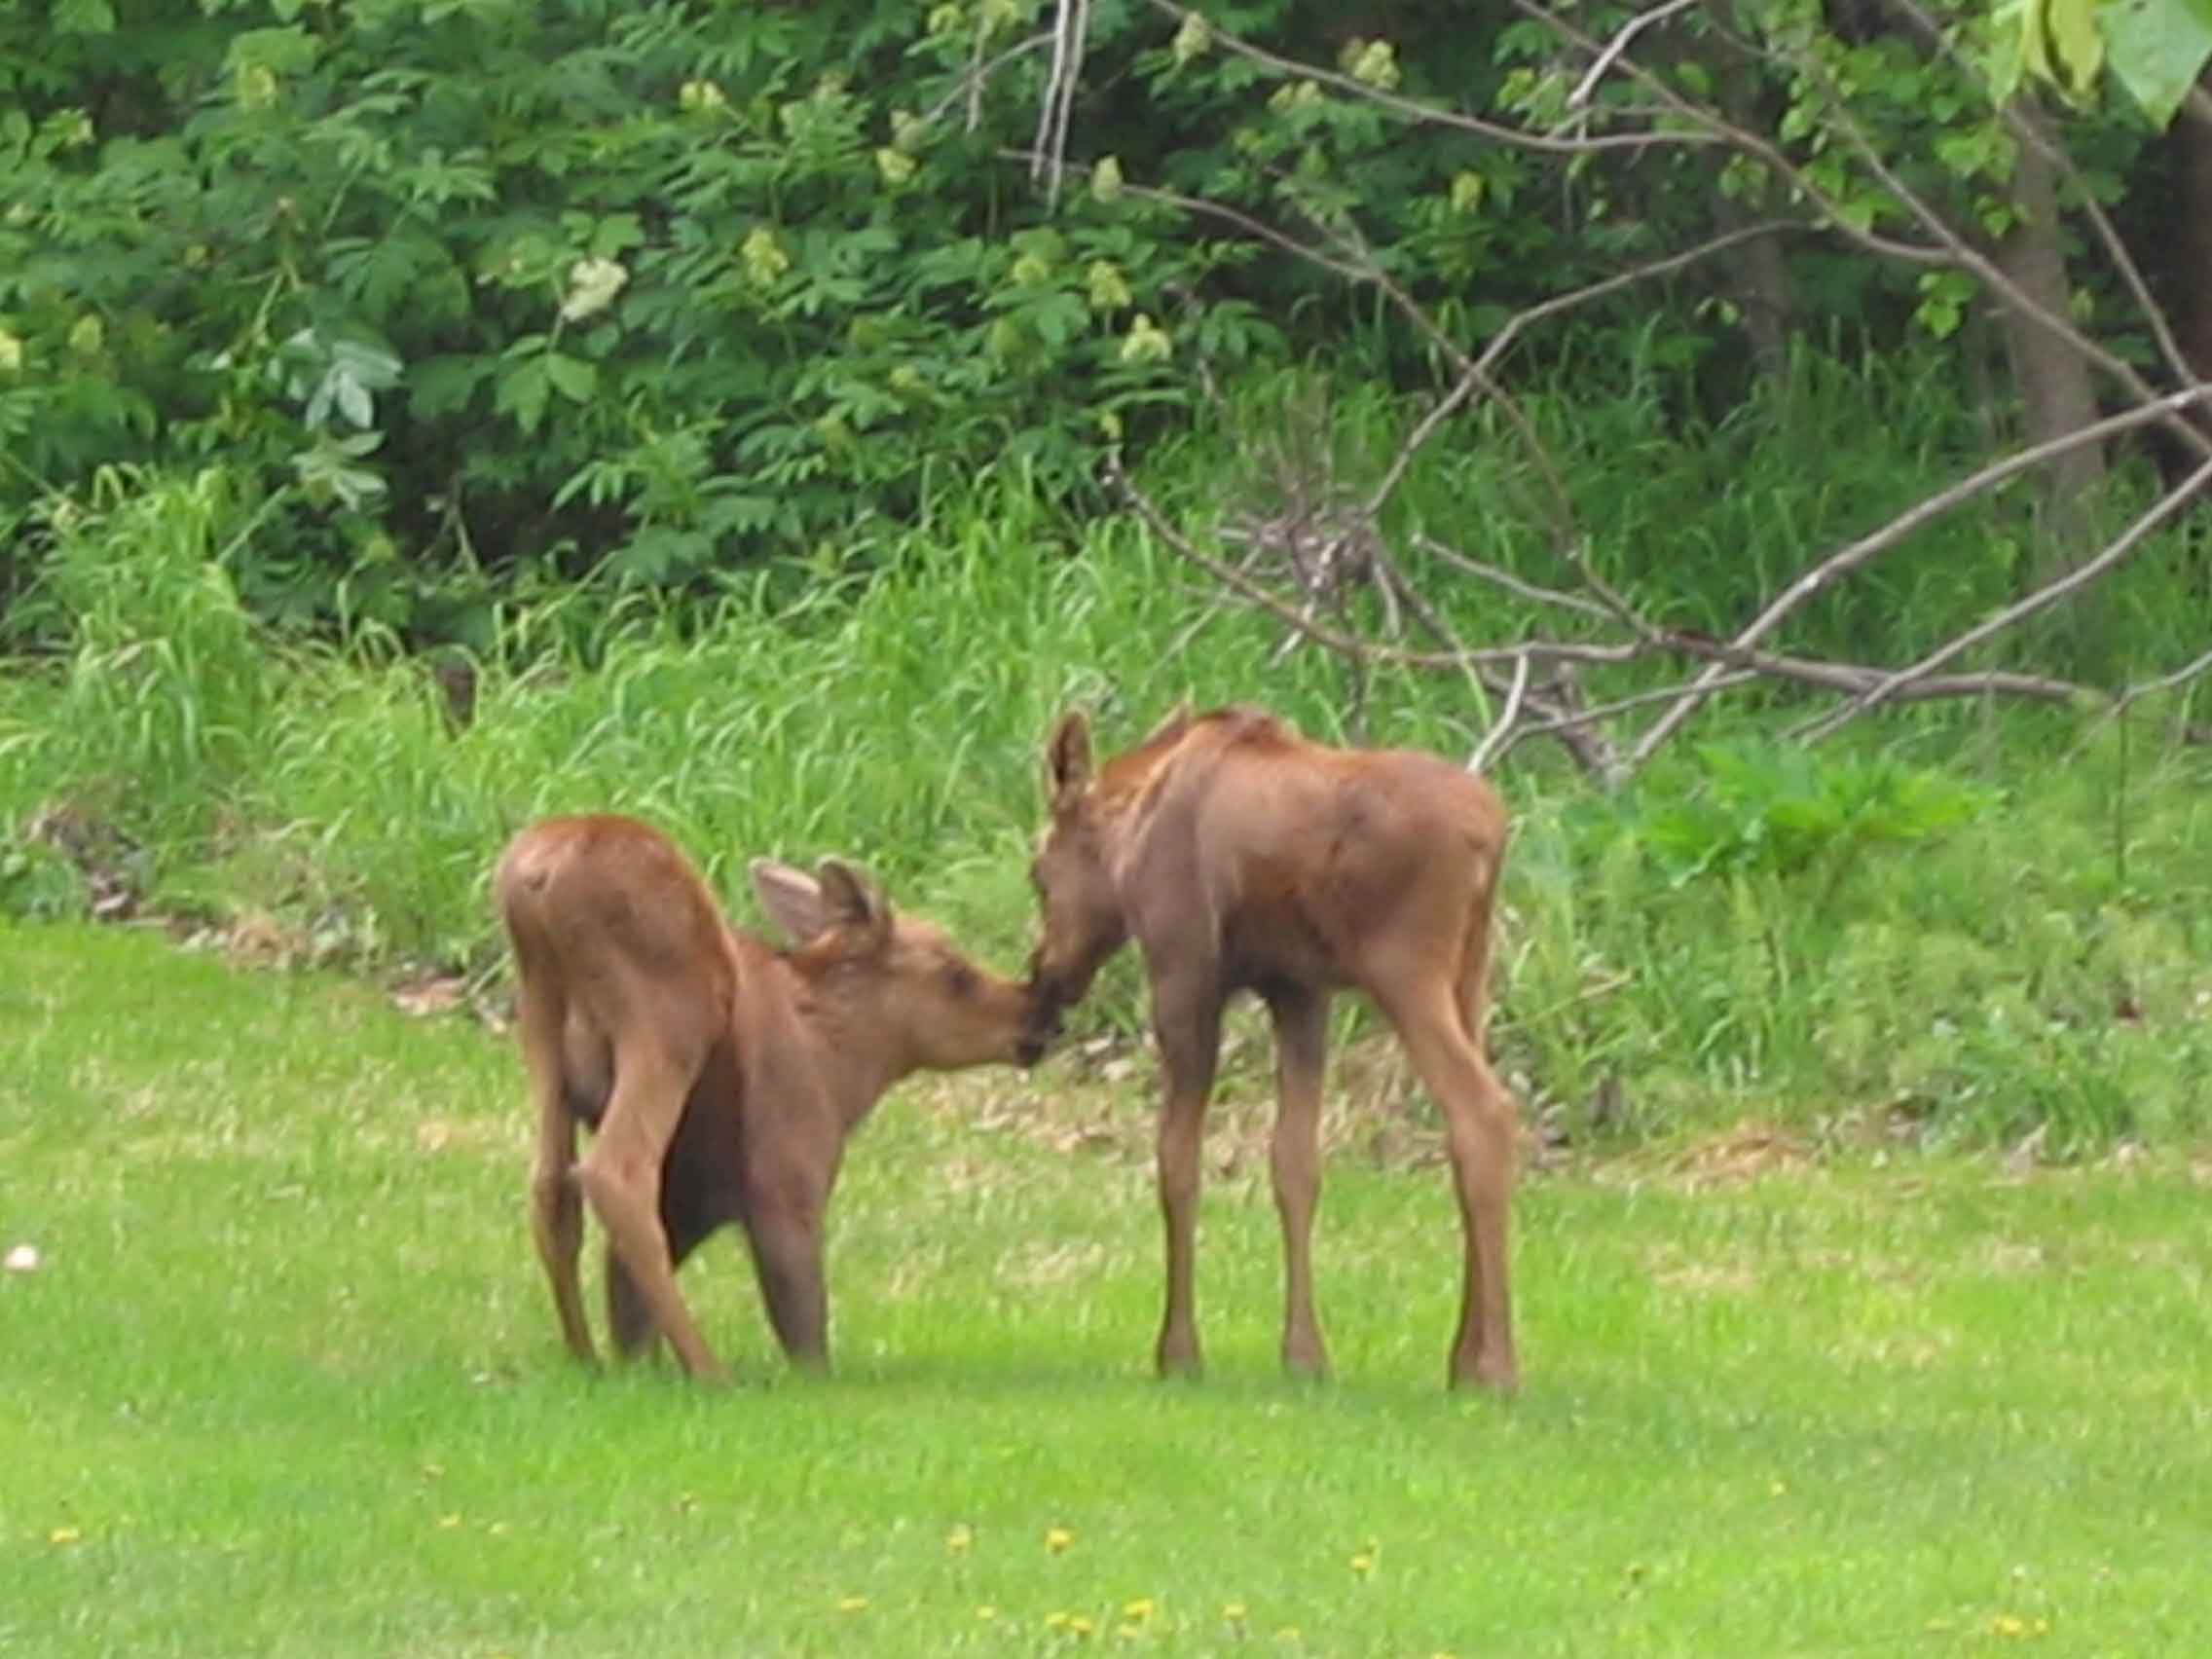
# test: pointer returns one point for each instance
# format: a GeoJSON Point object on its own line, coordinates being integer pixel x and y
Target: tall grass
{"type": "Point", "coordinates": [2034, 959]}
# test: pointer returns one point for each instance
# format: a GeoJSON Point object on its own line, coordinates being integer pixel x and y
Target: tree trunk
{"type": "Point", "coordinates": [2056, 394]}
{"type": "Point", "coordinates": [2189, 280]}
{"type": "Point", "coordinates": [2190, 143]}
{"type": "Point", "coordinates": [1755, 277]}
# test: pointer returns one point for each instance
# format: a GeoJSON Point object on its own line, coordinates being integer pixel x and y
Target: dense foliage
{"type": "Point", "coordinates": [494, 292]}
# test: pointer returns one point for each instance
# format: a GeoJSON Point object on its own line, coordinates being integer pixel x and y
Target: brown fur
{"type": "Point", "coordinates": [722, 1076]}
{"type": "Point", "coordinates": [1240, 856]}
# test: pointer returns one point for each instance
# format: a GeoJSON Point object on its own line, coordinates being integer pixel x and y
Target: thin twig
{"type": "Point", "coordinates": [1474, 372]}
{"type": "Point", "coordinates": [1629, 30]}
{"type": "Point", "coordinates": [2126, 699]}
{"type": "Point", "coordinates": [971, 83]}
{"type": "Point", "coordinates": [1519, 137]}
{"type": "Point", "coordinates": [2049, 594]}
{"type": "Point", "coordinates": [1511, 583]}
{"type": "Point", "coordinates": [2164, 683]}
{"type": "Point", "coordinates": [1393, 656]}
{"type": "Point", "coordinates": [1479, 760]}
{"type": "Point", "coordinates": [1834, 216]}
{"type": "Point", "coordinates": [1071, 26]}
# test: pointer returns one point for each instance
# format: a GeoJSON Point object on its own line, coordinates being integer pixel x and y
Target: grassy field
{"type": "Point", "coordinates": [286, 1382]}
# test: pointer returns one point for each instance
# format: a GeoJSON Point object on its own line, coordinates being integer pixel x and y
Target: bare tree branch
{"type": "Point", "coordinates": [1629, 30]}
{"type": "Point", "coordinates": [1834, 215]}
{"type": "Point", "coordinates": [1426, 114]}
{"type": "Point", "coordinates": [1870, 546]}
{"type": "Point", "coordinates": [2164, 683]}
{"type": "Point", "coordinates": [1511, 583]}
{"type": "Point", "coordinates": [1474, 372]}
{"type": "Point", "coordinates": [2049, 594]}
{"type": "Point", "coordinates": [1071, 30]}
{"type": "Point", "coordinates": [969, 86]}
{"type": "Point", "coordinates": [1256, 593]}
{"type": "Point", "coordinates": [1504, 725]}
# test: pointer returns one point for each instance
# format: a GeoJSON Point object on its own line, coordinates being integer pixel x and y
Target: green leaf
{"type": "Point", "coordinates": [522, 393]}
{"type": "Point", "coordinates": [572, 377]}
{"type": "Point", "coordinates": [2158, 48]}
{"type": "Point", "coordinates": [2079, 45]}
{"type": "Point", "coordinates": [84, 17]}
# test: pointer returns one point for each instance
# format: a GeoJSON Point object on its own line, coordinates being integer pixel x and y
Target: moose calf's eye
{"type": "Point", "coordinates": [959, 978]}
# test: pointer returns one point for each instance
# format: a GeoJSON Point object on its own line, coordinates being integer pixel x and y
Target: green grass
{"type": "Point", "coordinates": [287, 1382]}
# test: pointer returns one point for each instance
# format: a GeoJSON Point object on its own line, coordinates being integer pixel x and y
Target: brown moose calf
{"type": "Point", "coordinates": [1242, 856]}
{"type": "Point", "coordinates": [721, 1076]}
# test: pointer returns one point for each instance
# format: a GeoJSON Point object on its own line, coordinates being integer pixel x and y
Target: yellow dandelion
{"type": "Point", "coordinates": [1078, 1626]}
{"type": "Point", "coordinates": [1057, 1539]}
{"type": "Point", "coordinates": [1234, 1611]}
{"type": "Point", "coordinates": [1775, 1488]}
{"type": "Point", "coordinates": [851, 1604]}
{"type": "Point", "coordinates": [1363, 1563]}
{"type": "Point", "coordinates": [961, 1539]}
{"type": "Point", "coordinates": [1055, 1621]}
{"type": "Point", "coordinates": [1140, 1609]}
{"type": "Point", "coordinates": [986, 1612]}
{"type": "Point", "coordinates": [63, 1535]}
{"type": "Point", "coordinates": [446, 1523]}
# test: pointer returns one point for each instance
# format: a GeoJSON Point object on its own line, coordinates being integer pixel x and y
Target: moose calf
{"type": "Point", "coordinates": [721, 1076]}
{"type": "Point", "coordinates": [1242, 856]}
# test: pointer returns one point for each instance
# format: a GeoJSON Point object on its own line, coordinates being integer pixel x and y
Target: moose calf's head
{"type": "Point", "coordinates": [898, 983]}
{"type": "Point", "coordinates": [1081, 909]}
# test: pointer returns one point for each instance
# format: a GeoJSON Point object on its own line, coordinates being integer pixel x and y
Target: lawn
{"type": "Point", "coordinates": [285, 1380]}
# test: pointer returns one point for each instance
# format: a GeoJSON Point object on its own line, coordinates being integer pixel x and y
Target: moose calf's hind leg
{"type": "Point", "coordinates": [556, 1209]}
{"type": "Point", "coordinates": [621, 1180]}
{"type": "Point", "coordinates": [629, 1321]}
{"type": "Point", "coordinates": [1301, 1033]}
{"type": "Point", "coordinates": [1479, 1114]}
{"type": "Point", "coordinates": [628, 1317]}
{"type": "Point", "coordinates": [557, 1224]}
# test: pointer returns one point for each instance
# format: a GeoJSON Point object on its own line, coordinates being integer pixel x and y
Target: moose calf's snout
{"type": "Point", "coordinates": [1043, 1023]}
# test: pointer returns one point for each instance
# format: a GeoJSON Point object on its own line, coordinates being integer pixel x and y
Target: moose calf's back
{"type": "Point", "coordinates": [722, 1075]}
{"type": "Point", "coordinates": [1314, 856]}
{"type": "Point", "coordinates": [609, 917]}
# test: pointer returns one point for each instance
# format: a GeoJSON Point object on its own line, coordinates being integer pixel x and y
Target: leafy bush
{"type": "Point", "coordinates": [1780, 809]}
{"type": "Point", "coordinates": [513, 288]}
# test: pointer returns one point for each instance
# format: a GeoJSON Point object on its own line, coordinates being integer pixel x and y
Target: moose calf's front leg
{"type": "Point", "coordinates": [1188, 1026]}
{"type": "Point", "coordinates": [785, 1200]}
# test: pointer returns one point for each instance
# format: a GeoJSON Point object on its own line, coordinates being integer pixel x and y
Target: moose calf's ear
{"type": "Point", "coordinates": [792, 899]}
{"type": "Point", "coordinates": [852, 901]}
{"type": "Point", "coordinates": [1067, 759]}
